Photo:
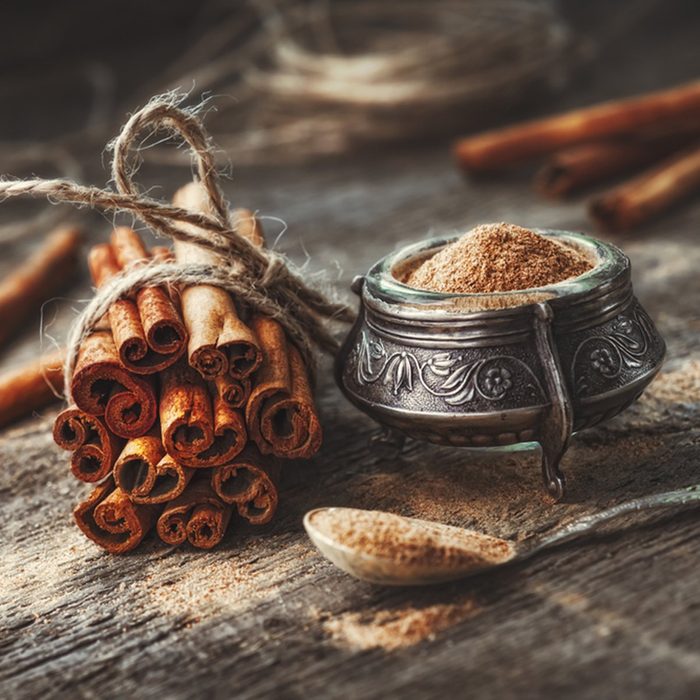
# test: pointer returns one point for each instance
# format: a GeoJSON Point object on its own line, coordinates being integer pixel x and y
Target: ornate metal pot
{"type": "Point", "coordinates": [499, 369]}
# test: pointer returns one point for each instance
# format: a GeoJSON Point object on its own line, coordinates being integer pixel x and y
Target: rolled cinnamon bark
{"type": "Point", "coordinates": [233, 392]}
{"type": "Point", "coordinates": [230, 437]}
{"type": "Point", "coordinates": [195, 433]}
{"type": "Point", "coordinates": [94, 447]}
{"type": "Point", "coordinates": [220, 342]}
{"type": "Point", "coordinates": [197, 515]}
{"type": "Point", "coordinates": [147, 474]}
{"type": "Point", "coordinates": [148, 333]}
{"type": "Point", "coordinates": [161, 320]}
{"type": "Point", "coordinates": [30, 386]}
{"type": "Point", "coordinates": [111, 520]}
{"type": "Point", "coordinates": [102, 387]}
{"type": "Point", "coordinates": [51, 269]}
{"type": "Point", "coordinates": [586, 164]}
{"type": "Point", "coordinates": [186, 416]}
{"type": "Point", "coordinates": [280, 414]}
{"type": "Point", "coordinates": [646, 196]}
{"type": "Point", "coordinates": [502, 147]}
{"type": "Point", "coordinates": [251, 482]}
{"type": "Point", "coordinates": [162, 253]}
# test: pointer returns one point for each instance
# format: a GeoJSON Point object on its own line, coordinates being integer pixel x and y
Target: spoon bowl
{"type": "Point", "coordinates": [395, 551]}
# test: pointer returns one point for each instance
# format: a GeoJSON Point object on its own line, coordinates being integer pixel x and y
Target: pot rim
{"type": "Point", "coordinates": [611, 262]}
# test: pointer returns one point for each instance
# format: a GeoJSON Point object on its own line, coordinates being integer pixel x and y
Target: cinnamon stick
{"type": "Point", "coordinates": [52, 268]}
{"type": "Point", "coordinates": [230, 437]}
{"type": "Point", "coordinates": [646, 196]}
{"type": "Point", "coordinates": [197, 515]}
{"type": "Point", "coordinates": [280, 414]}
{"type": "Point", "coordinates": [251, 482]}
{"type": "Point", "coordinates": [186, 416]}
{"type": "Point", "coordinates": [502, 147]}
{"type": "Point", "coordinates": [147, 474]}
{"type": "Point", "coordinates": [233, 392]}
{"type": "Point", "coordinates": [30, 386]}
{"type": "Point", "coordinates": [102, 387]}
{"type": "Point", "coordinates": [220, 342]}
{"type": "Point", "coordinates": [110, 519]}
{"type": "Point", "coordinates": [586, 164]}
{"type": "Point", "coordinates": [94, 447]}
{"type": "Point", "coordinates": [162, 253]}
{"type": "Point", "coordinates": [148, 333]}
{"type": "Point", "coordinates": [161, 320]}
{"type": "Point", "coordinates": [194, 432]}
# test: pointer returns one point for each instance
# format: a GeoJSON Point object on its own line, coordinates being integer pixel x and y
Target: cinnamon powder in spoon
{"type": "Point", "coordinates": [409, 541]}
{"type": "Point", "coordinates": [498, 258]}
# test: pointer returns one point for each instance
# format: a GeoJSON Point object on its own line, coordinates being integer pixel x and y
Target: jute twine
{"type": "Point", "coordinates": [266, 281]}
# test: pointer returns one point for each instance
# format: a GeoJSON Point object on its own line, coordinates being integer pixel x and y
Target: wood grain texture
{"type": "Point", "coordinates": [265, 616]}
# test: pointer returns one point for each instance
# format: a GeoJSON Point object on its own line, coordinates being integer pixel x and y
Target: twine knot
{"type": "Point", "coordinates": [274, 271]}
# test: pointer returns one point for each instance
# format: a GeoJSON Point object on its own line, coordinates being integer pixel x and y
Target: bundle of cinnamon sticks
{"type": "Point", "coordinates": [185, 404]}
{"type": "Point", "coordinates": [660, 130]}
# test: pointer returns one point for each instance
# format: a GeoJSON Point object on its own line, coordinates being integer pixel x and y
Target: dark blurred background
{"type": "Point", "coordinates": [69, 71]}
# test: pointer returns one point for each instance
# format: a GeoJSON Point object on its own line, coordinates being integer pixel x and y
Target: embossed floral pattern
{"type": "Point", "coordinates": [399, 373]}
{"type": "Point", "coordinates": [449, 376]}
{"type": "Point", "coordinates": [624, 325]}
{"type": "Point", "coordinates": [602, 360]}
{"type": "Point", "coordinates": [621, 347]}
{"type": "Point", "coordinates": [496, 382]}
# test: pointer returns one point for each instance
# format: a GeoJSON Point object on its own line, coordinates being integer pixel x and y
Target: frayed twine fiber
{"type": "Point", "coordinates": [264, 280]}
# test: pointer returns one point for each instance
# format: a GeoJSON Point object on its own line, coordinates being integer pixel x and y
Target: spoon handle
{"type": "Point", "coordinates": [682, 498]}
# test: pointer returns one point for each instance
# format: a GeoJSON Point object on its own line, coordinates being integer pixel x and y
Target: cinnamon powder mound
{"type": "Point", "coordinates": [409, 541]}
{"type": "Point", "coordinates": [498, 258]}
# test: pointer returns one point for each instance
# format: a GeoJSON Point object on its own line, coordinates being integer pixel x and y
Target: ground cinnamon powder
{"type": "Point", "coordinates": [408, 541]}
{"type": "Point", "coordinates": [498, 258]}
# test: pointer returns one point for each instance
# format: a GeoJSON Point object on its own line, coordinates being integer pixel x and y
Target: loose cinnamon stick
{"type": "Point", "coordinates": [30, 386]}
{"type": "Point", "coordinates": [646, 196]}
{"type": "Point", "coordinates": [102, 387]}
{"type": "Point", "coordinates": [147, 474]}
{"type": "Point", "coordinates": [502, 147]}
{"type": "Point", "coordinates": [148, 333]}
{"type": "Point", "coordinates": [233, 392]}
{"type": "Point", "coordinates": [161, 320]}
{"type": "Point", "coordinates": [94, 447]}
{"type": "Point", "coordinates": [195, 433]}
{"type": "Point", "coordinates": [586, 164]}
{"type": "Point", "coordinates": [280, 414]}
{"type": "Point", "coordinates": [52, 268]}
{"type": "Point", "coordinates": [197, 515]}
{"type": "Point", "coordinates": [110, 519]}
{"type": "Point", "coordinates": [251, 482]}
{"type": "Point", "coordinates": [220, 342]}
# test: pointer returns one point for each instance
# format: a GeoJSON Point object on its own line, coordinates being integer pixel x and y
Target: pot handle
{"type": "Point", "coordinates": [558, 423]}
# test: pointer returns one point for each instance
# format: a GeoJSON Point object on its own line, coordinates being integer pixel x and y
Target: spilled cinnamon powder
{"type": "Point", "coordinates": [498, 258]}
{"type": "Point", "coordinates": [409, 541]}
{"type": "Point", "coordinates": [400, 627]}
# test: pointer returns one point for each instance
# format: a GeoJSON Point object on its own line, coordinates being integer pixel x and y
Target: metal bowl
{"type": "Point", "coordinates": [481, 370]}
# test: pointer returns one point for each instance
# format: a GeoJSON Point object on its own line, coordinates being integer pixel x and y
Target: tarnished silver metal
{"type": "Point", "coordinates": [482, 370]}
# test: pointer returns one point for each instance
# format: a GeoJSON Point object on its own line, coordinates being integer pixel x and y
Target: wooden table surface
{"type": "Point", "coordinates": [264, 615]}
